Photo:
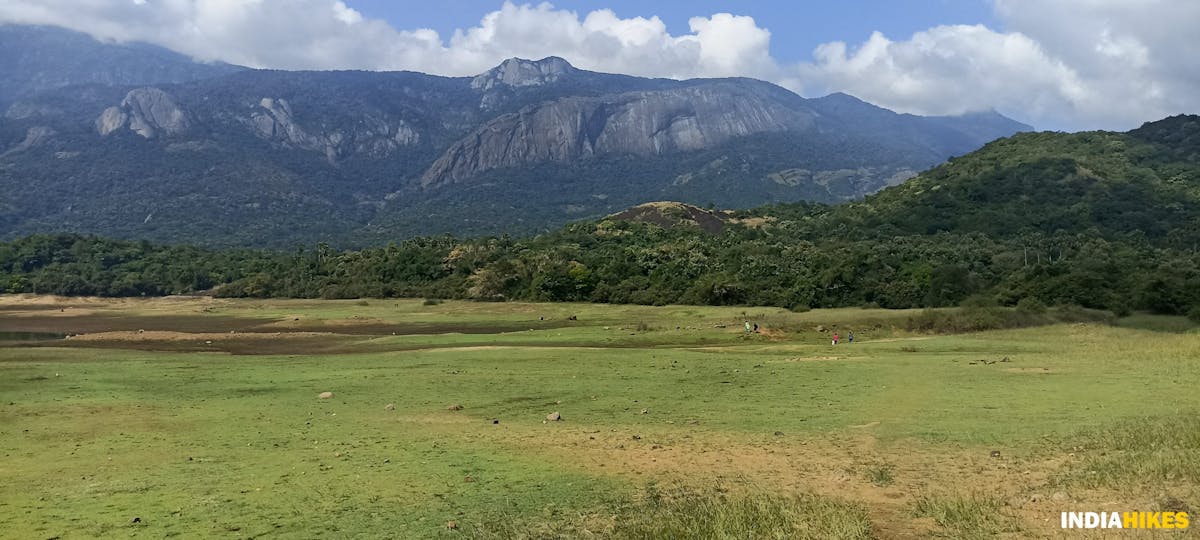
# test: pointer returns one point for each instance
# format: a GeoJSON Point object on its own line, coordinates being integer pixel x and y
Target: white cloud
{"type": "Point", "coordinates": [1070, 64]}
{"type": "Point", "coordinates": [949, 70]}
{"type": "Point", "coordinates": [328, 34]}
{"type": "Point", "coordinates": [1055, 63]}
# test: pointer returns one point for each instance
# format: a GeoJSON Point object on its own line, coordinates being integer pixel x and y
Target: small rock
{"type": "Point", "coordinates": [1060, 496]}
{"type": "Point", "coordinates": [495, 421]}
{"type": "Point", "coordinates": [637, 437]}
{"type": "Point", "coordinates": [452, 525]}
{"type": "Point", "coordinates": [1037, 497]}
{"type": "Point", "coordinates": [325, 395]}
{"type": "Point", "coordinates": [554, 416]}
{"type": "Point", "coordinates": [455, 407]}
{"type": "Point", "coordinates": [137, 520]}
{"type": "Point", "coordinates": [995, 453]}
{"type": "Point", "coordinates": [645, 411]}
{"type": "Point", "coordinates": [778, 433]}
{"type": "Point", "coordinates": [468, 479]}
{"type": "Point", "coordinates": [390, 407]}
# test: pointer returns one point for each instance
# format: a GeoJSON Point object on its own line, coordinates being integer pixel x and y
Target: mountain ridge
{"type": "Point", "coordinates": [241, 158]}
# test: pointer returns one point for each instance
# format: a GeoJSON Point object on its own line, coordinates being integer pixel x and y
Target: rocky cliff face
{"type": "Point", "coordinates": [636, 123]}
{"type": "Point", "coordinates": [372, 135]}
{"type": "Point", "coordinates": [149, 112]}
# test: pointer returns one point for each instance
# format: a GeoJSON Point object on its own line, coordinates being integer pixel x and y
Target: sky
{"type": "Point", "coordinates": [1055, 64]}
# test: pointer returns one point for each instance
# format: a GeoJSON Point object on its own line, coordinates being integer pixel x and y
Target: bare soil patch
{"type": "Point", "coordinates": [379, 327]}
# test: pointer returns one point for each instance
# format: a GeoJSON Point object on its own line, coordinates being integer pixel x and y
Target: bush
{"type": "Point", "coordinates": [1194, 314]}
{"type": "Point", "coordinates": [976, 318]}
{"type": "Point", "coordinates": [431, 302]}
{"type": "Point", "coordinates": [1031, 306]}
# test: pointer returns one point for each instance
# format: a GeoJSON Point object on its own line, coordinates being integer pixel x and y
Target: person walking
{"type": "Point", "coordinates": [850, 337]}
{"type": "Point", "coordinates": [835, 338]}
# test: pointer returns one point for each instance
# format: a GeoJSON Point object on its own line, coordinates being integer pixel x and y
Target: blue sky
{"type": "Point", "coordinates": [796, 27]}
{"type": "Point", "coordinates": [1054, 64]}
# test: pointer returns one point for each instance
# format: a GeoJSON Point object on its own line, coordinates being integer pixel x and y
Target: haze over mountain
{"type": "Point", "coordinates": [38, 58]}
{"type": "Point", "coordinates": [222, 156]}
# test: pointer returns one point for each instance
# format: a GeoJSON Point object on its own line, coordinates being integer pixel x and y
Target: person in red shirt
{"type": "Point", "coordinates": [835, 338]}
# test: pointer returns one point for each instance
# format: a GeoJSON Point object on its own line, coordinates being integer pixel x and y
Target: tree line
{"type": "Point", "coordinates": [622, 262]}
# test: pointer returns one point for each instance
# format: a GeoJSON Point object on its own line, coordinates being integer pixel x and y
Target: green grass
{"type": "Point", "coordinates": [706, 512]}
{"type": "Point", "coordinates": [1159, 323]}
{"type": "Point", "coordinates": [688, 513]}
{"type": "Point", "coordinates": [1163, 453]}
{"type": "Point", "coordinates": [212, 444]}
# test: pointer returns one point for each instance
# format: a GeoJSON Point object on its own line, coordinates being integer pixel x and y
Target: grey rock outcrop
{"type": "Point", "coordinates": [520, 72]}
{"type": "Point", "coordinates": [34, 136]}
{"type": "Point", "coordinates": [112, 119]}
{"type": "Point", "coordinates": [635, 123]}
{"type": "Point", "coordinates": [149, 112]}
{"type": "Point", "coordinates": [373, 135]}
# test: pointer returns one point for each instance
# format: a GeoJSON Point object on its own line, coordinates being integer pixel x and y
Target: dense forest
{"type": "Point", "coordinates": [1100, 220]}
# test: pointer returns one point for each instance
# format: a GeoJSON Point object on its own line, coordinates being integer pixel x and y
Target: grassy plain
{"type": "Point", "coordinates": [196, 417]}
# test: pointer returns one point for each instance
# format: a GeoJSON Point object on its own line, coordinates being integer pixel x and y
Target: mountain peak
{"type": "Point", "coordinates": [522, 72]}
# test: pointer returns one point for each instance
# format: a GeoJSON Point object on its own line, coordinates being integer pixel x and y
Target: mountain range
{"type": "Point", "coordinates": [135, 141]}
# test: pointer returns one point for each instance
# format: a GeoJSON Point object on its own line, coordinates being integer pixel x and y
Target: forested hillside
{"type": "Point", "coordinates": [1100, 220]}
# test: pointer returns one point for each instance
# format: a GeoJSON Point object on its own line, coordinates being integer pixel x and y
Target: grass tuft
{"type": "Point", "coordinates": [881, 475]}
{"type": "Point", "coordinates": [1156, 450]}
{"type": "Point", "coordinates": [710, 513]}
{"type": "Point", "coordinates": [968, 518]}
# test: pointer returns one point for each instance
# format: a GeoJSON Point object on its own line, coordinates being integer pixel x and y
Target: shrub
{"type": "Point", "coordinates": [1031, 306]}
{"type": "Point", "coordinates": [975, 318]}
{"type": "Point", "coordinates": [431, 302]}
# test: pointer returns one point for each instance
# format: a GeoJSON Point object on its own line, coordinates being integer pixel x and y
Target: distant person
{"type": "Point", "coordinates": [747, 327]}
{"type": "Point", "coordinates": [835, 338]}
{"type": "Point", "coordinates": [849, 337]}
{"type": "Point", "coordinates": [755, 328]}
